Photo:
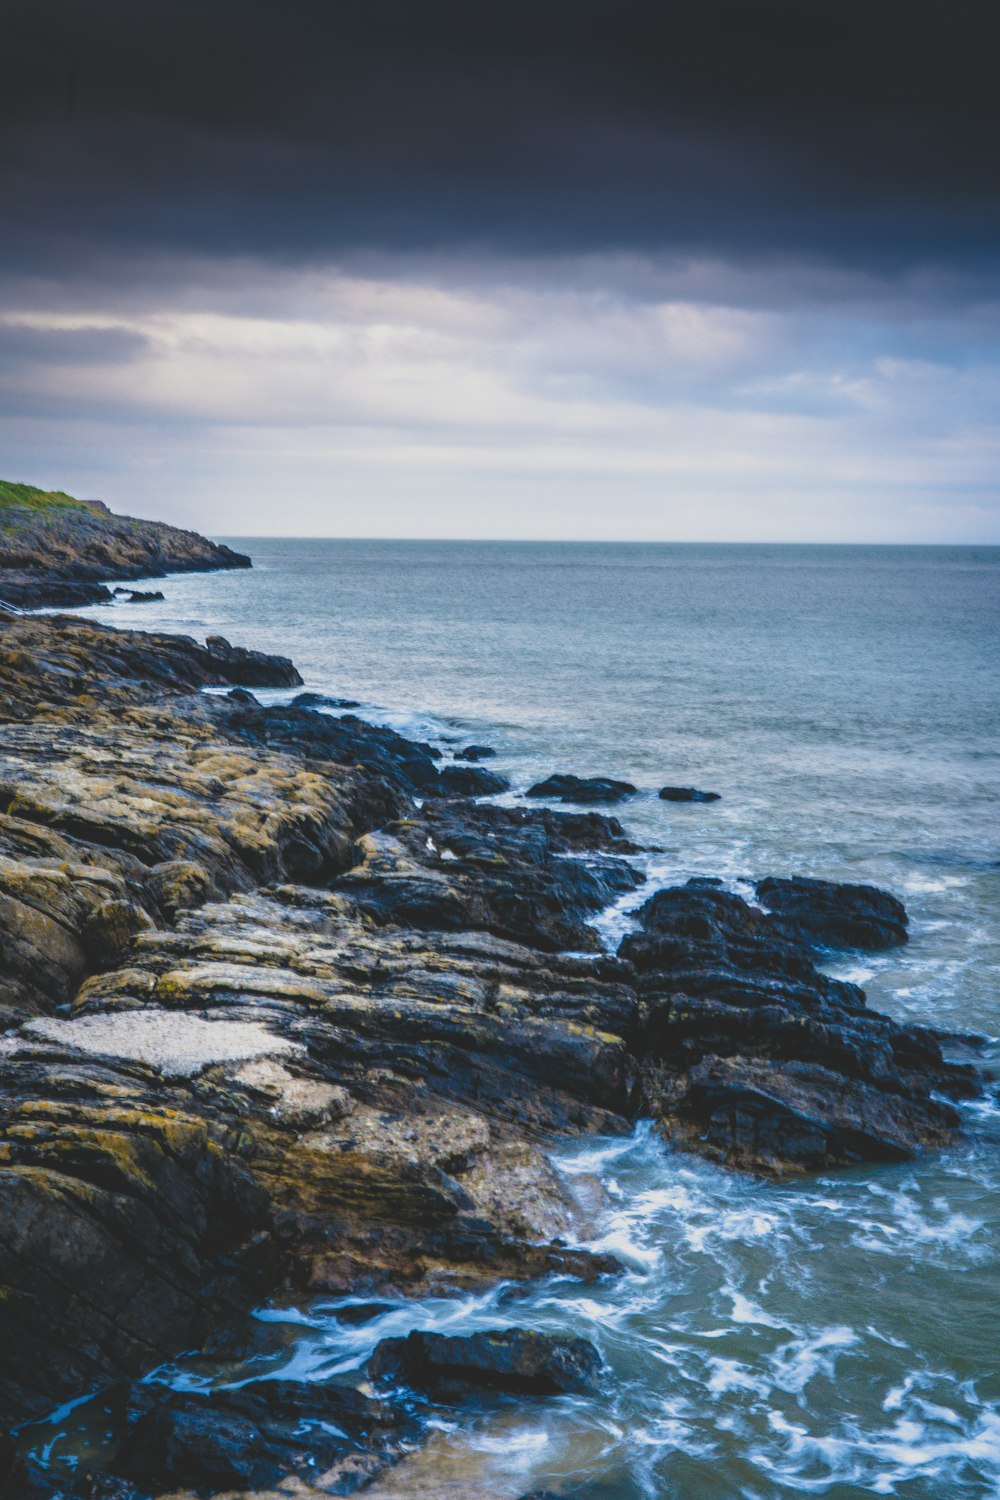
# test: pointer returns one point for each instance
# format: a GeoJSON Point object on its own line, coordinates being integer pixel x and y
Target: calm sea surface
{"type": "Point", "coordinates": [837, 1336]}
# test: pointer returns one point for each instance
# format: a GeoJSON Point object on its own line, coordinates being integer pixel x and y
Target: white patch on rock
{"type": "Point", "coordinates": [180, 1045]}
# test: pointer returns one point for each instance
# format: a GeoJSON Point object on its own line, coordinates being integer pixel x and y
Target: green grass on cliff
{"type": "Point", "coordinates": [27, 497]}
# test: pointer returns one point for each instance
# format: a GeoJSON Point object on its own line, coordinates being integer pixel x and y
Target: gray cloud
{"type": "Point", "coordinates": [302, 129]}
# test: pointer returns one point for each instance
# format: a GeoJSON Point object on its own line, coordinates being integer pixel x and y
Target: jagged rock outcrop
{"type": "Point", "coordinates": [756, 1057]}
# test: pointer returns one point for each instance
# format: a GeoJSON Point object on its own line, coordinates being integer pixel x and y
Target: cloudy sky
{"type": "Point", "coordinates": [721, 269]}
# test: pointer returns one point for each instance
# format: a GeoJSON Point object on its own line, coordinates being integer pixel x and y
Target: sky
{"type": "Point", "coordinates": [715, 270]}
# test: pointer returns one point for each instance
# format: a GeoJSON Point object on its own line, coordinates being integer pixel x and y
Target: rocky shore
{"type": "Point", "coordinates": [285, 1012]}
{"type": "Point", "coordinates": [59, 552]}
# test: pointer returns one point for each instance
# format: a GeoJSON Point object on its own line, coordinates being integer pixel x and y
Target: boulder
{"type": "Point", "coordinates": [567, 788]}
{"type": "Point", "coordinates": [470, 781]}
{"type": "Point", "coordinates": [256, 1436]}
{"type": "Point", "coordinates": [833, 915]}
{"type": "Point", "coordinates": [475, 752]}
{"type": "Point", "coordinates": [515, 1360]}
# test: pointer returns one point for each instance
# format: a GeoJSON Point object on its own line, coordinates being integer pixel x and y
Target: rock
{"type": "Point", "coordinates": [686, 794]}
{"type": "Point", "coordinates": [475, 752]}
{"type": "Point", "coordinates": [109, 928]}
{"type": "Point", "coordinates": [29, 590]}
{"type": "Point", "coordinates": [137, 596]}
{"type": "Point", "coordinates": [254, 1437]}
{"type": "Point", "coordinates": [513, 1360]}
{"type": "Point", "coordinates": [57, 660]}
{"type": "Point", "coordinates": [344, 740]}
{"type": "Point", "coordinates": [761, 1060]}
{"type": "Point", "coordinates": [321, 700]}
{"type": "Point", "coordinates": [251, 668]}
{"type": "Point", "coordinates": [177, 885]}
{"type": "Point", "coordinates": [500, 869]}
{"type": "Point", "coordinates": [470, 781]}
{"type": "Point", "coordinates": [566, 788]}
{"type": "Point", "coordinates": [765, 1113]}
{"type": "Point", "coordinates": [834, 915]}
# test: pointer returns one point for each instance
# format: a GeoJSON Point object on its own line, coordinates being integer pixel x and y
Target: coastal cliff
{"type": "Point", "coordinates": [58, 551]}
{"type": "Point", "coordinates": [286, 1012]}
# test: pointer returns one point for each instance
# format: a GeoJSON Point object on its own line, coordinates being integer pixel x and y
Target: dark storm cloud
{"type": "Point", "coordinates": [864, 134]}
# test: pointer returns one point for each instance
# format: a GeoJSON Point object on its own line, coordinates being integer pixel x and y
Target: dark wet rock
{"type": "Point", "coordinates": [28, 590]}
{"type": "Point", "coordinates": [797, 1112]}
{"type": "Point", "coordinates": [124, 1229]}
{"type": "Point", "coordinates": [344, 740]}
{"type": "Point", "coordinates": [566, 788]}
{"type": "Point", "coordinates": [256, 1436]}
{"type": "Point", "coordinates": [760, 1059]}
{"type": "Point", "coordinates": [322, 700]}
{"type": "Point", "coordinates": [475, 752]}
{"type": "Point", "coordinates": [139, 596]}
{"type": "Point", "coordinates": [251, 668]}
{"type": "Point", "coordinates": [471, 781]}
{"type": "Point", "coordinates": [833, 915]}
{"type": "Point", "coordinates": [57, 660]}
{"type": "Point", "coordinates": [465, 865]}
{"type": "Point", "coordinates": [686, 794]}
{"type": "Point", "coordinates": [515, 1360]}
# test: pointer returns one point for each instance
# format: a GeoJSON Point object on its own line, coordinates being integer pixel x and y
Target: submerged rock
{"type": "Point", "coordinates": [686, 794]}
{"type": "Point", "coordinates": [566, 788]}
{"type": "Point", "coordinates": [475, 752]}
{"type": "Point", "coordinates": [516, 1360]}
{"type": "Point", "coordinates": [321, 700]}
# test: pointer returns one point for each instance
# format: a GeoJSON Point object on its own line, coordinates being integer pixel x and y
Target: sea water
{"type": "Point", "coordinates": [834, 1336]}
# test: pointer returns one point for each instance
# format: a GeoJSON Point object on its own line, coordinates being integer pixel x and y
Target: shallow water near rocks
{"type": "Point", "coordinates": [834, 1336]}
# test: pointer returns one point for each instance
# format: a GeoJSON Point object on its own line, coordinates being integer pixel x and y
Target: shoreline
{"type": "Point", "coordinates": [389, 976]}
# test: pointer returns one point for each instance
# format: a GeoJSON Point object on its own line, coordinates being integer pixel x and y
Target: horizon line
{"type": "Point", "coordinates": [284, 536]}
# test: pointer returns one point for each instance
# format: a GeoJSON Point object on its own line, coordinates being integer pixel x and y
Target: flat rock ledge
{"type": "Point", "coordinates": [281, 1015]}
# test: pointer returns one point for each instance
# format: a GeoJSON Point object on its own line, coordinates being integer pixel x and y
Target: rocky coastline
{"type": "Point", "coordinates": [59, 552]}
{"type": "Point", "coordinates": [286, 1012]}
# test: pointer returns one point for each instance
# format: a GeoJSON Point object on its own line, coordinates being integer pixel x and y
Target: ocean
{"type": "Point", "coordinates": [833, 1336]}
